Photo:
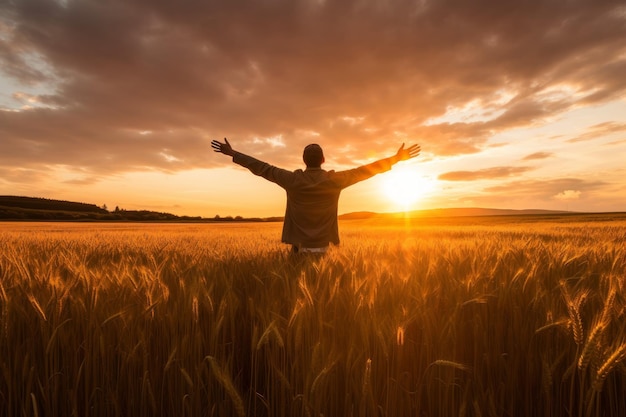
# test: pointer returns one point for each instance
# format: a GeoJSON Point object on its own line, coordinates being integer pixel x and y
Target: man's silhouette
{"type": "Point", "coordinates": [313, 194]}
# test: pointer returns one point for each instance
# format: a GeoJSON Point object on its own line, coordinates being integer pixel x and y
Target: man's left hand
{"type": "Point", "coordinates": [408, 153]}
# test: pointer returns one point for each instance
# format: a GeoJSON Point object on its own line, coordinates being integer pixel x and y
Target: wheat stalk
{"type": "Point", "coordinates": [227, 383]}
{"type": "Point", "coordinates": [591, 348]}
{"type": "Point", "coordinates": [603, 371]}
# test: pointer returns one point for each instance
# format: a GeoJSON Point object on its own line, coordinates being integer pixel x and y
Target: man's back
{"type": "Point", "coordinates": [311, 213]}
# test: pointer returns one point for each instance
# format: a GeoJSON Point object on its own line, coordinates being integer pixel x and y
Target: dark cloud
{"type": "Point", "coordinates": [353, 72]}
{"type": "Point", "coordinates": [482, 174]}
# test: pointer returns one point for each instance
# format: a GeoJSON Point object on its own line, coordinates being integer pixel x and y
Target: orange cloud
{"type": "Point", "coordinates": [482, 174]}
{"type": "Point", "coordinates": [548, 189]}
{"type": "Point", "coordinates": [600, 130]}
{"type": "Point", "coordinates": [537, 155]}
{"type": "Point", "coordinates": [568, 195]}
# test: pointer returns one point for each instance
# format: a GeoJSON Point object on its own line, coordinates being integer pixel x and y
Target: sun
{"type": "Point", "coordinates": [404, 186]}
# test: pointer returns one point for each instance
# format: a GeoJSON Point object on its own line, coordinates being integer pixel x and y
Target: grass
{"type": "Point", "coordinates": [458, 318]}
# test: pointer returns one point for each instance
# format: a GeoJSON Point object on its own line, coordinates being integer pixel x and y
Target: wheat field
{"type": "Point", "coordinates": [458, 318]}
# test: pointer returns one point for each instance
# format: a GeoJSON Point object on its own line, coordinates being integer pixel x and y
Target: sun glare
{"type": "Point", "coordinates": [405, 187]}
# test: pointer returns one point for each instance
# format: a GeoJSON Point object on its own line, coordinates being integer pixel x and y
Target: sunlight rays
{"type": "Point", "coordinates": [404, 186]}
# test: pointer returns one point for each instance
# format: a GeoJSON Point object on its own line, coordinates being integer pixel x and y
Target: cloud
{"type": "Point", "coordinates": [482, 174]}
{"type": "Point", "coordinates": [600, 130]}
{"type": "Point", "coordinates": [537, 155]}
{"type": "Point", "coordinates": [589, 195]}
{"type": "Point", "coordinates": [22, 176]}
{"type": "Point", "coordinates": [568, 195]}
{"type": "Point", "coordinates": [546, 190]}
{"type": "Point", "coordinates": [254, 70]}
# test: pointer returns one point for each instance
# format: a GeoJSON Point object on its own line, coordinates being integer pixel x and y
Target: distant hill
{"type": "Point", "coordinates": [35, 203]}
{"type": "Point", "coordinates": [34, 208]}
{"type": "Point", "coordinates": [447, 212]}
{"type": "Point", "coordinates": [476, 211]}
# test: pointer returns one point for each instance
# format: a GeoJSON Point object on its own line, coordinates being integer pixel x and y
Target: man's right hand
{"type": "Point", "coordinates": [224, 148]}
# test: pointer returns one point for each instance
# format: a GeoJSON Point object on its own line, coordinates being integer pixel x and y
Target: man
{"type": "Point", "coordinates": [313, 194]}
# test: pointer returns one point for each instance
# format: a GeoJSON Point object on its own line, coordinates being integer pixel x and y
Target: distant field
{"type": "Point", "coordinates": [484, 316]}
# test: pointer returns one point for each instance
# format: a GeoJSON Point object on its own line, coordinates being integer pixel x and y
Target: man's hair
{"type": "Point", "coordinates": [313, 155]}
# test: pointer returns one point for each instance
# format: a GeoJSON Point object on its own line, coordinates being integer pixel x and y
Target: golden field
{"type": "Point", "coordinates": [467, 317]}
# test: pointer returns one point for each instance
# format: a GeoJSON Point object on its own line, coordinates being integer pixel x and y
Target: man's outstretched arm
{"type": "Point", "coordinates": [271, 173]}
{"type": "Point", "coordinates": [385, 164]}
{"type": "Point", "coordinates": [364, 172]}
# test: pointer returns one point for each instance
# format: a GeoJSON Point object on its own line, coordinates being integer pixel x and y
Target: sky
{"type": "Point", "coordinates": [516, 105]}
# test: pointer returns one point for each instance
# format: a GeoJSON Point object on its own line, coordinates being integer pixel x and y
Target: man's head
{"type": "Point", "coordinates": [313, 156]}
